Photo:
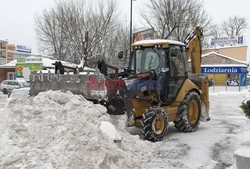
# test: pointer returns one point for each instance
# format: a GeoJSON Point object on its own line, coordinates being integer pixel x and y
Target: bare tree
{"type": "Point", "coordinates": [174, 18]}
{"type": "Point", "coordinates": [71, 20]}
{"type": "Point", "coordinates": [234, 26]}
{"type": "Point", "coordinates": [216, 31]}
{"type": "Point", "coordinates": [50, 33]}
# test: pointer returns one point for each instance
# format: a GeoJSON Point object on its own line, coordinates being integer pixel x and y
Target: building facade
{"type": "Point", "coordinates": [234, 52]}
{"type": "Point", "coordinates": [224, 70]}
{"type": "Point", "coordinates": [10, 52]}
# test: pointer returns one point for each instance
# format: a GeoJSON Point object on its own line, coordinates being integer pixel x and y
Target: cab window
{"type": "Point", "coordinates": [177, 63]}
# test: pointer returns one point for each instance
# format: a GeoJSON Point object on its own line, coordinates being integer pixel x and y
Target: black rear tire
{"type": "Point", "coordinates": [185, 122]}
{"type": "Point", "coordinates": [154, 124]}
{"type": "Point", "coordinates": [5, 91]}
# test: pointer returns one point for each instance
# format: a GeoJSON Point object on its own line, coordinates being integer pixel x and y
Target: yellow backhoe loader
{"type": "Point", "coordinates": [160, 87]}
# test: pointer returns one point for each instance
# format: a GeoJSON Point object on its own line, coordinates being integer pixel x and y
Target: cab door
{"type": "Point", "coordinates": [177, 71]}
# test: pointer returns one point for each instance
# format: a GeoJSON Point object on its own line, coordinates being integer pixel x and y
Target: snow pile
{"type": "Point", "coordinates": [242, 156]}
{"type": "Point", "coordinates": [243, 152]}
{"type": "Point", "coordinates": [62, 130]}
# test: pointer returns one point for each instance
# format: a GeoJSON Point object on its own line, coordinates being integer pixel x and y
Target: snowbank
{"type": "Point", "coordinates": [242, 156]}
{"type": "Point", "coordinates": [62, 130]}
{"type": "Point", "coordinates": [244, 152]}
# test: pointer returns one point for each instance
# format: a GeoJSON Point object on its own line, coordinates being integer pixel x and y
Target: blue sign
{"type": "Point", "coordinates": [223, 70]}
{"type": "Point", "coordinates": [24, 49]}
{"type": "Point", "coordinates": [243, 79]}
{"type": "Point", "coordinates": [227, 41]}
{"type": "Point", "coordinates": [240, 40]}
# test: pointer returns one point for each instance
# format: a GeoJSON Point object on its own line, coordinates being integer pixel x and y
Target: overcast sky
{"type": "Point", "coordinates": [17, 16]}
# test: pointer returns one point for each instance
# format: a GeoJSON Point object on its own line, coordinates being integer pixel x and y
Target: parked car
{"type": "Point", "coordinates": [8, 85]}
{"type": "Point", "coordinates": [21, 93]}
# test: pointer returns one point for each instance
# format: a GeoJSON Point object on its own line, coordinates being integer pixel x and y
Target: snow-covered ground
{"type": "Point", "coordinates": [61, 130]}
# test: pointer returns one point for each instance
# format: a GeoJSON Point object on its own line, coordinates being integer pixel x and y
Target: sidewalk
{"type": "Point", "coordinates": [215, 89]}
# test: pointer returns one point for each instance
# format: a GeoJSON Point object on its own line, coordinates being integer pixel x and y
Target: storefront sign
{"type": "Point", "coordinates": [33, 60]}
{"type": "Point", "coordinates": [24, 49]}
{"type": "Point", "coordinates": [11, 47]}
{"type": "Point", "coordinates": [223, 70]}
{"type": "Point", "coordinates": [23, 70]}
{"type": "Point", "coordinates": [29, 60]}
{"type": "Point", "coordinates": [20, 60]}
{"type": "Point", "coordinates": [28, 65]}
{"type": "Point", "coordinates": [19, 68]}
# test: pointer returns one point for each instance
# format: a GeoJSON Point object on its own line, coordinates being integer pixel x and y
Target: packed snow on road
{"type": "Point", "coordinates": [62, 130]}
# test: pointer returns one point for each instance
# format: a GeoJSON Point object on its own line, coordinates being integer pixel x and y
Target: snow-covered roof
{"type": "Point", "coordinates": [224, 47]}
{"type": "Point", "coordinates": [224, 56]}
{"type": "Point", "coordinates": [3, 40]}
{"type": "Point", "coordinates": [11, 64]}
{"type": "Point", "coordinates": [158, 41]}
{"type": "Point", "coordinates": [47, 63]}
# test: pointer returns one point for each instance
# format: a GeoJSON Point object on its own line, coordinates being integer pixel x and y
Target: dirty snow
{"type": "Point", "coordinates": [61, 130]}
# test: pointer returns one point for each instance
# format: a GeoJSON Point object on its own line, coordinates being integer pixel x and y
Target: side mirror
{"type": "Point", "coordinates": [120, 54]}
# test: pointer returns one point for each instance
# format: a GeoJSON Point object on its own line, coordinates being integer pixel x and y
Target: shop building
{"type": "Point", "coordinates": [8, 71]}
{"type": "Point", "coordinates": [22, 67]}
{"type": "Point", "coordinates": [224, 70]}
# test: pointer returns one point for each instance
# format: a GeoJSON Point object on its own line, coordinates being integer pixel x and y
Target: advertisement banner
{"type": "Point", "coordinates": [240, 80]}
{"type": "Point", "coordinates": [243, 79]}
{"type": "Point", "coordinates": [227, 41]}
{"type": "Point", "coordinates": [24, 49]}
{"type": "Point", "coordinates": [23, 70]}
{"type": "Point", "coordinates": [11, 47]}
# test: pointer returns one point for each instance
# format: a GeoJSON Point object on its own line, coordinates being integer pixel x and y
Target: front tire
{"type": "Point", "coordinates": [189, 113]}
{"type": "Point", "coordinates": [154, 124]}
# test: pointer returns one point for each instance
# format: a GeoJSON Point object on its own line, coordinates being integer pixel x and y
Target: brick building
{"type": "Point", "coordinates": [8, 71]}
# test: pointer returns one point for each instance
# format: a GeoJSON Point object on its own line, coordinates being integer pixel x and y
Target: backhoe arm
{"type": "Point", "coordinates": [193, 46]}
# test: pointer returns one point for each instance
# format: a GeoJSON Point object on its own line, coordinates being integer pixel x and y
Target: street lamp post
{"type": "Point", "coordinates": [131, 33]}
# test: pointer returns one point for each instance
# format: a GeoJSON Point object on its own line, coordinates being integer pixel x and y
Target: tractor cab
{"type": "Point", "coordinates": [166, 61]}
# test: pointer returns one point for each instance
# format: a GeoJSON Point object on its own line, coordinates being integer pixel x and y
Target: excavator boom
{"type": "Point", "coordinates": [193, 45]}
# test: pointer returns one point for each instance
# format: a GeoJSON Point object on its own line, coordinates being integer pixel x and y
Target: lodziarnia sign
{"type": "Point", "coordinates": [223, 69]}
